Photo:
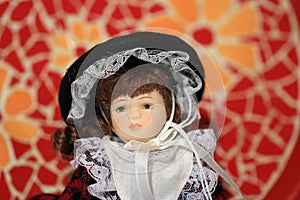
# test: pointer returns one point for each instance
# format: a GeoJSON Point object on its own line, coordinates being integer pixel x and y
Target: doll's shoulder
{"type": "Point", "coordinates": [204, 137]}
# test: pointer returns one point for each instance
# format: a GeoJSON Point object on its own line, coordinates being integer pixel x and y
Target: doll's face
{"type": "Point", "coordinates": [138, 118]}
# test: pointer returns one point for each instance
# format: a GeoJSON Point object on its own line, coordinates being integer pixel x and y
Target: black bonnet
{"type": "Point", "coordinates": [148, 40]}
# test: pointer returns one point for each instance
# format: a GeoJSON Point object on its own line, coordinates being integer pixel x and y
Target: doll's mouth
{"type": "Point", "coordinates": [135, 126]}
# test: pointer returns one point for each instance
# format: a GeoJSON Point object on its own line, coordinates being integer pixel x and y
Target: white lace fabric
{"type": "Point", "coordinates": [91, 153]}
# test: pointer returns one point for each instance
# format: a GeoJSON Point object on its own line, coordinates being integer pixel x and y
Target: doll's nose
{"type": "Point", "coordinates": [134, 113]}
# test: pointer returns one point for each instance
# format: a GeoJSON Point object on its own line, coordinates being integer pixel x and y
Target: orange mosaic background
{"type": "Point", "coordinates": [255, 45]}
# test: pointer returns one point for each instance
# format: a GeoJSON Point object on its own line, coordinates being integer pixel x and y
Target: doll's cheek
{"type": "Point", "coordinates": [146, 119]}
{"type": "Point", "coordinates": [121, 120]}
{"type": "Point", "coordinates": [155, 117]}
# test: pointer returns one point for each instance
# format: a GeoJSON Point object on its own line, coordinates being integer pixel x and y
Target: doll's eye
{"type": "Point", "coordinates": [121, 109]}
{"type": "Point", "coordinates": [146, 106]}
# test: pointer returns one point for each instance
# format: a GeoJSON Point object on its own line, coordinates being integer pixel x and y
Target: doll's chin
{"type": "Point", "coordinates": [139, 139]}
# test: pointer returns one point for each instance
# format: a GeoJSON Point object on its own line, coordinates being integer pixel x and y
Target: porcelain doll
{"type": "Point", "coordinates": [131, 108]}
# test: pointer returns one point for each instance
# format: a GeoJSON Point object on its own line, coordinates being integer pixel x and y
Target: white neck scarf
{"type": "Point", "coordinates": [139, 174]}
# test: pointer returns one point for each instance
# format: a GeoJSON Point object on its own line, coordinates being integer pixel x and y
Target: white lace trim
{"type": "Point", "coordinates": [90, 154]}
{"type": "Point", "coordinates": [205, 137]}
{"type": "Point", "coordinates": [191, 190]}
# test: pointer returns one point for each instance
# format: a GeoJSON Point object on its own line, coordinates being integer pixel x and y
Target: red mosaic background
{"type": "Point", "coordinates": [255, 45]}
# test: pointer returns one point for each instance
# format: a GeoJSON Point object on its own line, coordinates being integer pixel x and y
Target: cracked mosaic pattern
{"type": "Point", "coordinates": [255, 45]}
